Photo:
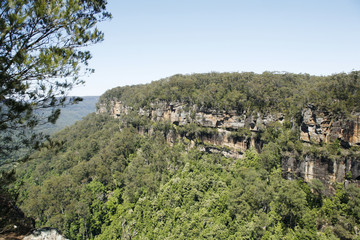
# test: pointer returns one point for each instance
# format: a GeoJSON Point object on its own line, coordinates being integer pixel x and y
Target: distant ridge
{"type": "Point", "coordinates": [70, 114]}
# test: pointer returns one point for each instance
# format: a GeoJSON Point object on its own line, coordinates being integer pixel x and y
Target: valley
{"type": "Point", "coordinates": [215, 155]}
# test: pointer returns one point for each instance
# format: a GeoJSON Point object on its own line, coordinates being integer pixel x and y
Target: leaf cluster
{"type": "Point", "coordinates": [42, 57]}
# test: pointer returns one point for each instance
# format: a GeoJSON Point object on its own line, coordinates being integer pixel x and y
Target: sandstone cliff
{"type": "Point", "coordinates": [314, 126]}
{"type": "Point", "coordinates": [322, 127]}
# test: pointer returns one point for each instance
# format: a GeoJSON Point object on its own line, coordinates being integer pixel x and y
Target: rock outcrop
{"type": "Point", "coordinates": [316, 127]}
{"type": "Point", "coordinates": [45, 234]}
{"type": "Point", "coordinates": [182, 114]}
{"type": "Point", "coordinates": [321, 127]}
{"type": "Point", "coordinates": [322, 168]}
{"type": "Point", "coordinates": [226, 123]}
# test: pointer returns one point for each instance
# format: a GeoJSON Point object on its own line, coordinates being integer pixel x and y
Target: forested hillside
{"type": "Point", "coordinates": [248, 92]}
{"type": "Point", "coordinates": [117, 176]}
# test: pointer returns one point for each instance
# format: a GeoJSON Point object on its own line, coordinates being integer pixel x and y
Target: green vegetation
{"type": "Point", "coordinates": [42, 57]}
{"type": "Point", "coordinates": [248, 92]}
{"type": "Point", "coordinates": [106, 178]}
{"type": "Point", "coordinates": [102, 179]}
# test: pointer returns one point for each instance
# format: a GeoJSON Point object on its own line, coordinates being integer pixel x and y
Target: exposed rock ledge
{"type": "Point", "coordinates": [315, 127]}
{"type": "Point", "coordinates": [39, 234]}
{"type": "Point", "coordinates": [181, 114]}
{"type": "Point", "coordinates": [45, 234]}
{"type": "Point", "coordinates": [321, 127]}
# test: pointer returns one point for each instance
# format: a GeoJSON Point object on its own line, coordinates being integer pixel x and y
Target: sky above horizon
{"type": "Point", "coordinates": [150, 40]}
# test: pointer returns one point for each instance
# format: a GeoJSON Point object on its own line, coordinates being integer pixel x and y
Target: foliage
{"type": "Point", "coordinates": [41, 59]}
{"type": "Point", "coordinates": [131, 178]}
{"type": "Point", "coordinates": [105, 180]}
{"type": "Point", "coordinates": [247, 92]}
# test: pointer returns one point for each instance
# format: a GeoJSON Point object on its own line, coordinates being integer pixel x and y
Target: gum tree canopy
{"type": "Point", "coordinates": [42, 57]}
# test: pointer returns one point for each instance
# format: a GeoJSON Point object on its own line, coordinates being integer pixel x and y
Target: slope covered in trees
{"type": "Point", "coordinates": [106, 178]}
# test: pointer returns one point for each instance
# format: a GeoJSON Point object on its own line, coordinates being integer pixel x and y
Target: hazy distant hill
{"type": "Point", "coordinates": [70, 114]}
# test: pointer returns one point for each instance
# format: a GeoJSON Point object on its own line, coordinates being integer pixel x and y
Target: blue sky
{"type": "Point", "coordinates": [149, 40]}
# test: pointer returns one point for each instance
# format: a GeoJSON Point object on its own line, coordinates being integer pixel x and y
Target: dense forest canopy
{"type": "Point", "coordinates": [106, 178]}
{"type": "Point", "coordinates": [249, 92]}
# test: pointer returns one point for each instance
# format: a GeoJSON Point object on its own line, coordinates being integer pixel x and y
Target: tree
{"type": "Point", "coordinates": [42, 57]}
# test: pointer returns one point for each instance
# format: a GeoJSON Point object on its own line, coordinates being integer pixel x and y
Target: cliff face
{"type": "Point", "coordinates": [225, 123]}
{"type": "Point", "coordinates": [322, 168]}
{"type": "Point", "coordinates": [45, 233]}
{"type": "Point", "coordinates": [320, 127]}
{"type": "Point", "coordinates": [315, 127]}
